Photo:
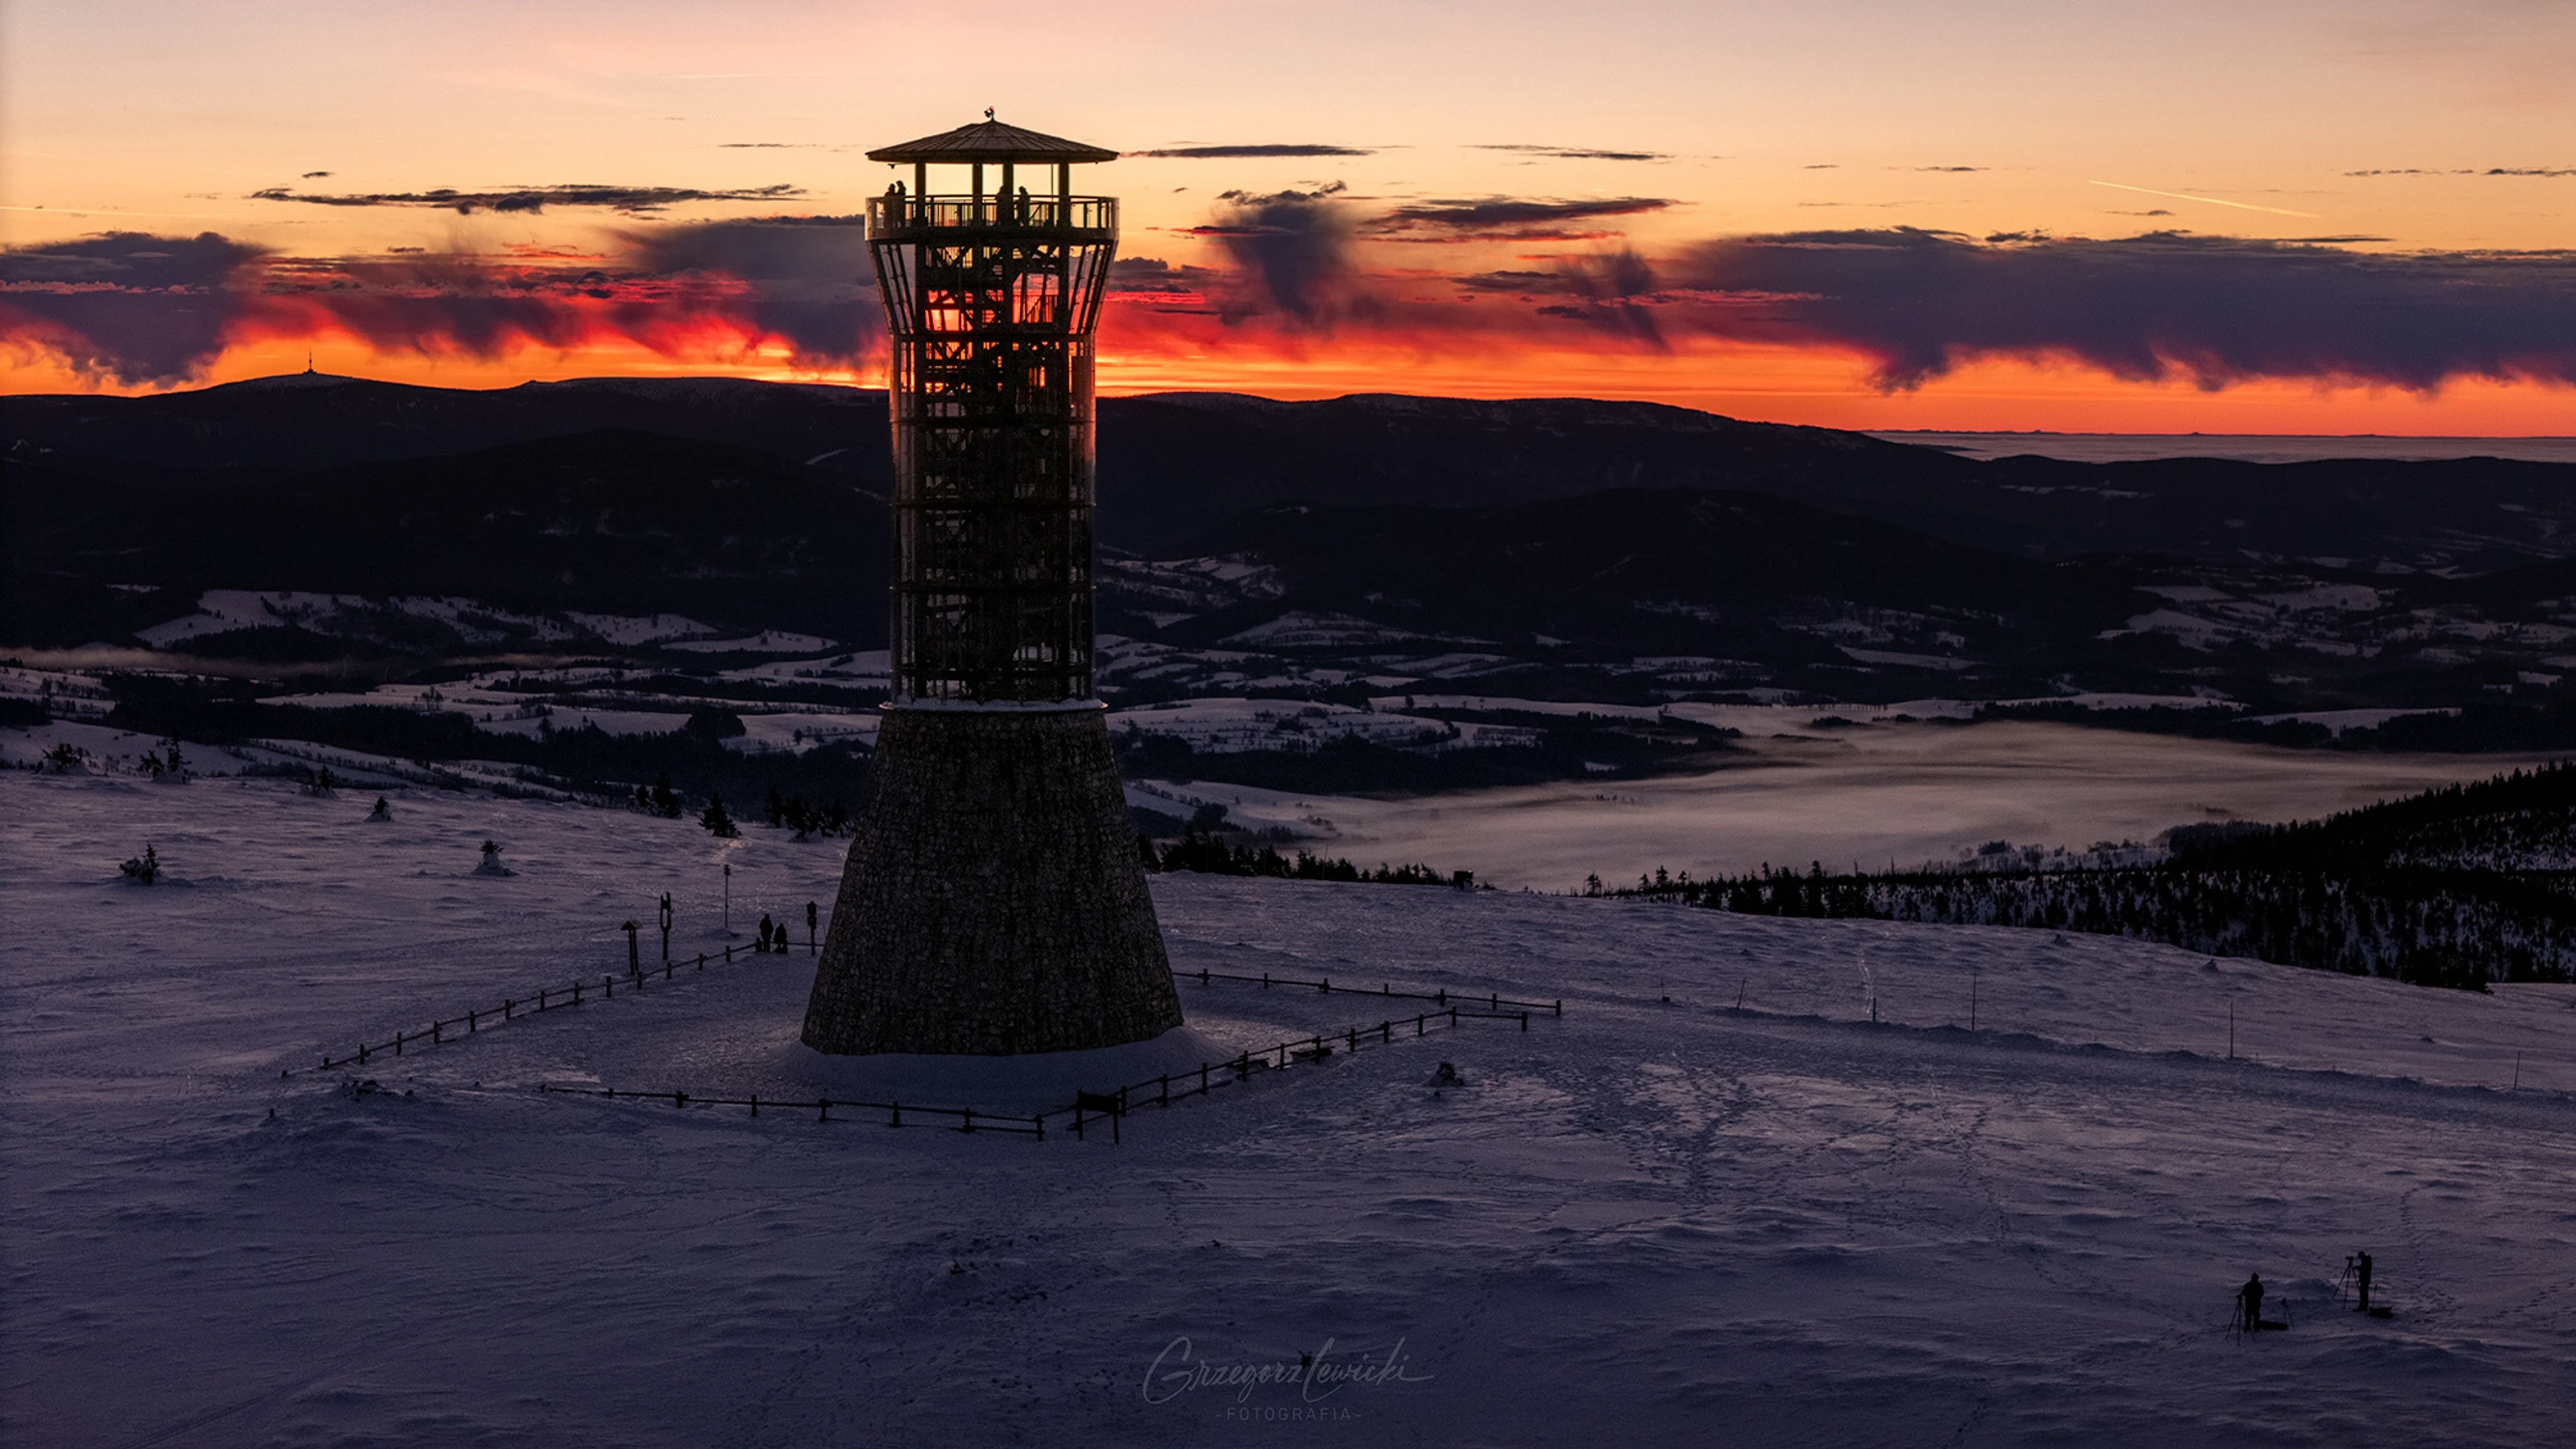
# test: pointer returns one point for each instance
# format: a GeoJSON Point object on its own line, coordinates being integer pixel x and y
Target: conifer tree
{"type": "Point", "coordinates": [143, 869]}
{"type": "Point", "coordinates": [717, 822]}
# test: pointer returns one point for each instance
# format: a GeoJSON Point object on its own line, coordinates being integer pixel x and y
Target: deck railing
{"type": "Point", "coordinates": [892, 213]}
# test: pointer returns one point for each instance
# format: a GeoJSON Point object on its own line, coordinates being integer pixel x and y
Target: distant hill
{"type": "Point", "coordinates": [1563, 547]}
{"type": "Point", "coordinates": [1172, 463]}
{"type": "Point", "coordinates": [302, 422]}
{"type": "Point", "coordinates": [617, 522]}
{"type": "Point", "coordinates": [2519, 822]}
{"type": "Point", "coordinates": [1717, 580]}
{"type": "Point", "coordinates": [2461, 886]}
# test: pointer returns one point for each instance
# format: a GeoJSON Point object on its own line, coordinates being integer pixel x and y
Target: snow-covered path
{"type": "Point", "coordinates": [1652, 1222]}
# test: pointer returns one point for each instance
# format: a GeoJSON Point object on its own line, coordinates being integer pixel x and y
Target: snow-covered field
{"type": "Point", "coordinates": [1656, 1221]}
{"type": "Point", "coordinates": [1845, 796]}
{"type": "Point", "coordinates": [1227, 725]}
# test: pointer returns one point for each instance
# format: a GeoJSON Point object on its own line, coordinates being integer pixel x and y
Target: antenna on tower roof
{"type": "Point", "coordinates": [308, 362]}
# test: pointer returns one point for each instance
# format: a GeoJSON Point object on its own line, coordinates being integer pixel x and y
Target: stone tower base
{"type": "Point", "coordinates": [994, 902]}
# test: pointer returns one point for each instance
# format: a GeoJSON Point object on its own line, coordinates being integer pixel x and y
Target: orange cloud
{"type": "Point", "coordinates": [1883, 328]}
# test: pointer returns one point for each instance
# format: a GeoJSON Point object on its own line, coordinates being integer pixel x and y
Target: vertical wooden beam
{"type": "Point", "coordinates": [1064, 256]}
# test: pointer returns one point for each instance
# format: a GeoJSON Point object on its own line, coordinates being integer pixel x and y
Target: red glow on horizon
{"type": "Point", "coordinates": [517, 320]}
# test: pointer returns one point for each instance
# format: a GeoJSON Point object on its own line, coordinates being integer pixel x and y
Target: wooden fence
{"type": "Point", "coordinates": [1161, 1091]}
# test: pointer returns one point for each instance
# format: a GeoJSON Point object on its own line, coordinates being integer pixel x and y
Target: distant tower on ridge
{"type": "Point", "coordinates": [994, 901]}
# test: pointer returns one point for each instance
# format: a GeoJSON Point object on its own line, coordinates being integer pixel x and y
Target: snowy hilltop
{"type": "Point", "coordinates": [1765, 1181]}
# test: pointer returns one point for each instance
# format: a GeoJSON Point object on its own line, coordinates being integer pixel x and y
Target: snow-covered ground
{"type": "Point", "coordinates": [1228, 725]}
{"type": "Point", "coordinates": [1659, 1220]}
{"type": "Point", "coordinates": [1845, 796]}
{"type": "Point", "coordinates": [767, 641]}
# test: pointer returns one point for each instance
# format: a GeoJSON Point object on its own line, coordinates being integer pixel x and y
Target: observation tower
{"type": "Point", "coordinates": [994, 901]}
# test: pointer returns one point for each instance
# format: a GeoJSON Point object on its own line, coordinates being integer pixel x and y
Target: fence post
{"type": "Point", "coordinates": [506, 1006]}
{"type": "Point", "coordinates": [434, 1037]}
{"type": "Point", "coordinates": [1327, 985]}
{"type": "Point", "coordinates": [702, 960]}
{"type": "Point", "coordinates": [469, 1022]}
{"type": "Point", "coordinates": [1167, 1089]}
{"type": "Point", "coordinates": [1417, 1022]}
{"type": "Point", "coordinates": [1560, 1006]}
{"type": "Point", "coordinates": [397, 1043]}
{"type": "Point", "coordinates": [755, 1104]}
{"type": "Point", "coordinates": [362, 1054]}
{"type": "Point", "coordinates": [728, 955]}
{"type": "Point", "coordinates": [1038, 1120]}
{"type": "Point", "coordinates": [970, 1121]}
{"type": "Point", "coordinates": [1524, 1022]}
{"type": "Point", "coordinates": [1265, 980]}
{"type": "Point", "coordinates": [897, 1120]}
{"type": "Point", "coordinates": [576, 993]}
{"type": "Point", "coordinates": [822, 1109]}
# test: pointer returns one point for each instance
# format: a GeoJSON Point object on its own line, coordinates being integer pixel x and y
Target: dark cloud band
{"type": "Point", "coordinates": [2472, 171]}
{"type": "Point", "coordinates": [1579, 153]}
{"type": "Point", "coordinates": [1254, 152]}
{"type": "Point", "coordinates": [140, 309]}
{"type": "Point", "coordinates": [634, 200]}
{"type": "Point", "coordinates": [2215, 309]}
{"type": "Point", "coordinates": [129, 306]}
{"type": "Point", "coordinates": [1504, 211]}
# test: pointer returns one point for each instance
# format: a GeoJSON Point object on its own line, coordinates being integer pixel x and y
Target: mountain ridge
{"type": "Point", "coordinates": [1173, 463]}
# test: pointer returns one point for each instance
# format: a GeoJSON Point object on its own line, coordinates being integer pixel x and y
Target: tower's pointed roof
{"type": "Point", "coordinates": [990, 140]}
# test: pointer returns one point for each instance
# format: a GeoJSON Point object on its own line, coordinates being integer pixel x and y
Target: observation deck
{"type": "Point", "coordinates": [940, 220]}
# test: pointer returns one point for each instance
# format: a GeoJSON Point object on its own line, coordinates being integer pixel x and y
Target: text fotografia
{"type": "Point", "coordinates": [1316, 1376]}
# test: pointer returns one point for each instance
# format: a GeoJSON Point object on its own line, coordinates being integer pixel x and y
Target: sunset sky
{"type": "Point", "coordinates": [2252, 216]}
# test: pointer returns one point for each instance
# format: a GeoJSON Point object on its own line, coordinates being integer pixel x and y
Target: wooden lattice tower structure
{"type": "Point", "coordinates": [994, 900]}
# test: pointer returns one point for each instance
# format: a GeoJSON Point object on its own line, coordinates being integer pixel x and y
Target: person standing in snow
{"type": "Point", "coordinates": [2361, 1275]}
{"type": "Point", "coordinates": [2249, 1301]}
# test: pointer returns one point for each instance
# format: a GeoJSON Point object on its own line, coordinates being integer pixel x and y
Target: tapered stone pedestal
{"type": "Point", "coordinates": [994, 901]}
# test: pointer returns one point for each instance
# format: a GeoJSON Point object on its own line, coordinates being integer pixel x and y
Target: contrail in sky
{"type": "Point", "coordinates": [2212, 200]}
